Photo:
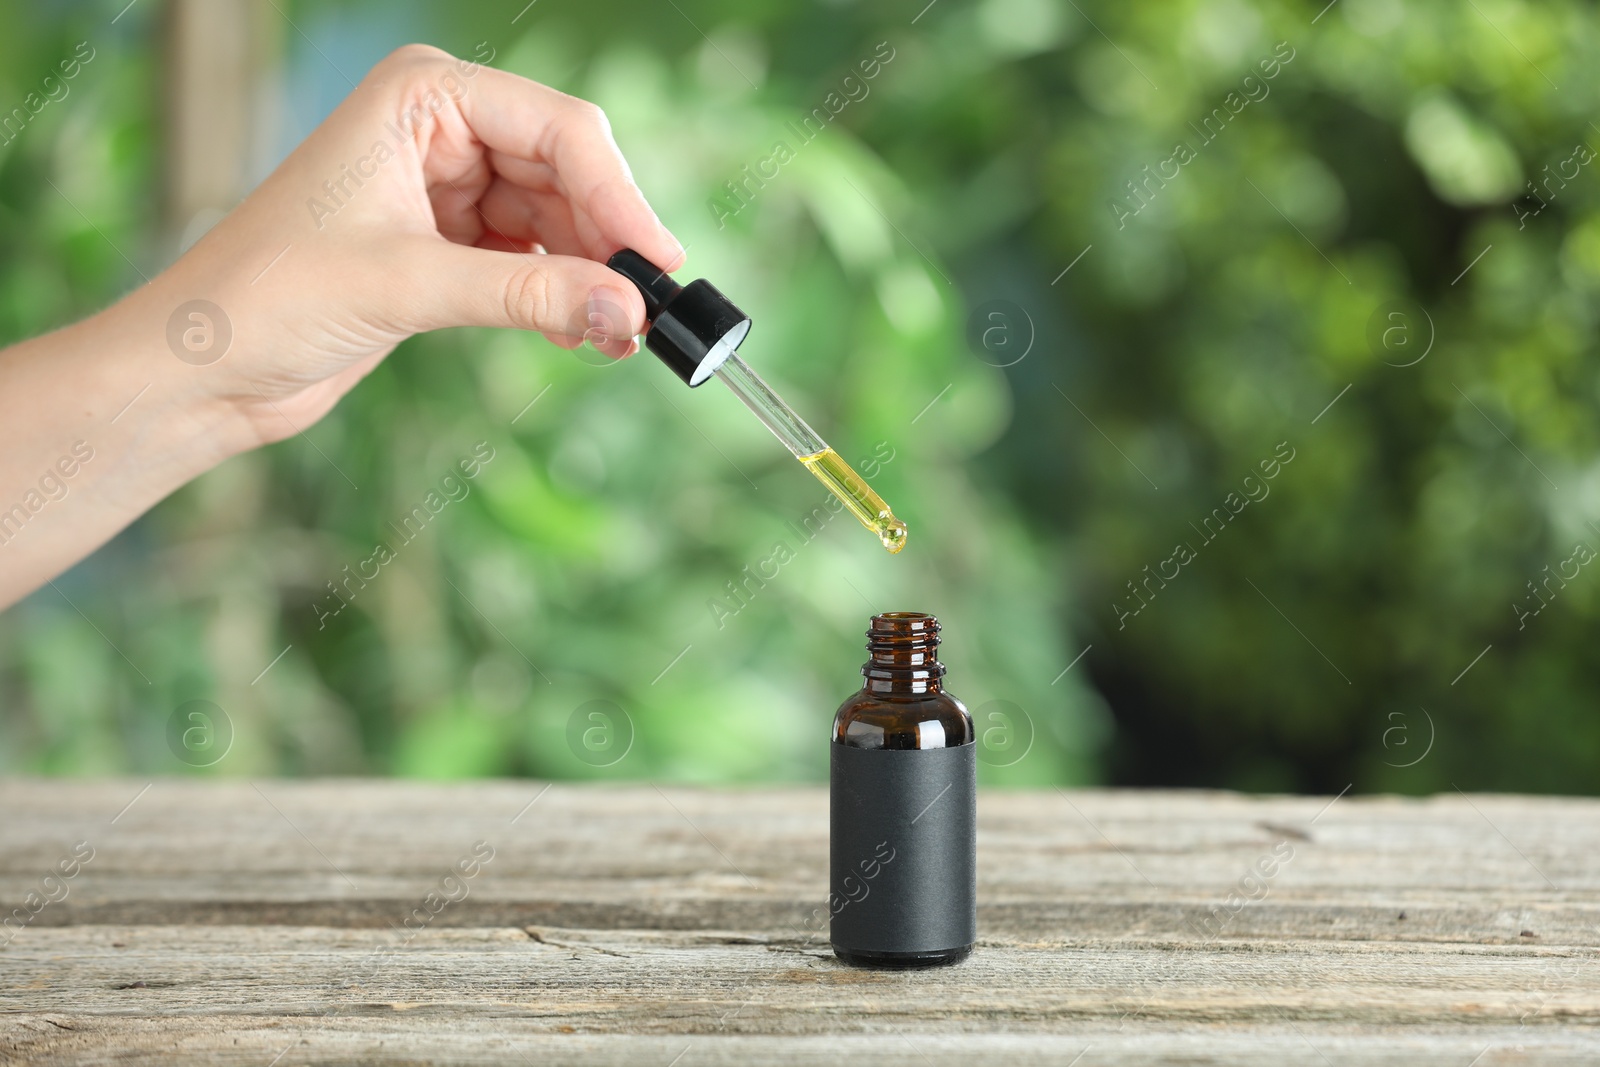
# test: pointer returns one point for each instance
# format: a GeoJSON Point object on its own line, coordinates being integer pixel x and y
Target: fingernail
{"type": "Point", "coordinates": [607, 317]}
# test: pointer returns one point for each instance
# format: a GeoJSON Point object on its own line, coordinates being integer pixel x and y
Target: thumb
{"type": "Point", "coordinates": [567, 298]}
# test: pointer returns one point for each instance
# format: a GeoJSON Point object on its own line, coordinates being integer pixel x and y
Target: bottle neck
{"type": "Point", "coordinates": [902, 655]}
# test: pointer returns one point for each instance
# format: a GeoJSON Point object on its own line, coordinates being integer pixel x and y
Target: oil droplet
{"type": "Point", "coordinates": [891, 531]}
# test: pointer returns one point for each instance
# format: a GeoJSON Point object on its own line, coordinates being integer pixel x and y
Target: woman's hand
{"type": "Point", "coordinates": [439, 193]}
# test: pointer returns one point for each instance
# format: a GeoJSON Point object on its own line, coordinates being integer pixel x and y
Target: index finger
{"type": "Point", "coordinates": [533, 122]}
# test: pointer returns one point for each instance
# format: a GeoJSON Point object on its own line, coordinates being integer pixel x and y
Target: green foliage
{"type": "Point", "coordinates": [1215, 313]}
{"type": "Point", "coordinates": [1321, 638]}
{"type": "Point", "coordinates": [593, 556]}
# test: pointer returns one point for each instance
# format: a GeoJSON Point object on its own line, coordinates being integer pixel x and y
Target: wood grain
{"type": "Point", "coordinates": [226, 922]}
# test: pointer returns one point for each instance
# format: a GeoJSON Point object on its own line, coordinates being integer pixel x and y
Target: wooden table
{"type": "Point", "coordinates": [284, 923]}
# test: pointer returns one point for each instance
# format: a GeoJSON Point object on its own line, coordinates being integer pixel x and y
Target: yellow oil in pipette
{"type": "Point", "coordinates": [843, 482]}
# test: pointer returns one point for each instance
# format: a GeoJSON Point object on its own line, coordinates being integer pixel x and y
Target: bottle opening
{"type": "Point", "coordinates": [904, 622]}
{"type": "Point", "coordinates": [902, 627]}
{"type": "Point", "coordinates": [902, 649]}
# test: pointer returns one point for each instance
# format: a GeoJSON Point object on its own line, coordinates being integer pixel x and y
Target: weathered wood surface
{"type": "Point", "coordinates": [242, 924]}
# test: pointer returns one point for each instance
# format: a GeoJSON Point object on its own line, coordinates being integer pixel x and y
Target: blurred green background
{"type": "Point", "coordinates": [993, 265]}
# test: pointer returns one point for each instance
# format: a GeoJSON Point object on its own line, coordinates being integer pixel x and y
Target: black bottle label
{"type": "Point", "coordinates": [903, 849]}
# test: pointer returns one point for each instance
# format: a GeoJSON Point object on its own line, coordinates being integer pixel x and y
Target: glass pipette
{"type": "Point", "coordinates": [695, 330]}
{"type": "Point", "coordinates": [829, 467]}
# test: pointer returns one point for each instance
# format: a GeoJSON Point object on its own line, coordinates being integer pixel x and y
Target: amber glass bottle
{"type": "Point", "coordinates": [903, 812]}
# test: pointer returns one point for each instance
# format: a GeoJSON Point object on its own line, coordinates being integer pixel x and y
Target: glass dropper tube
{"type": "Point", "coordinates": [811, 450]}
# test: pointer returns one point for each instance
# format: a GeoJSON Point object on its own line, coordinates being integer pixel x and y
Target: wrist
{"type": "Point", "coordinates": [101, 422]}
{"type": "Point", "coordinates": [156, 398]}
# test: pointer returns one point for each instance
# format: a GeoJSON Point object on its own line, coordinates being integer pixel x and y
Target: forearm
{"type": "Point", "coordinates": [98, 422]}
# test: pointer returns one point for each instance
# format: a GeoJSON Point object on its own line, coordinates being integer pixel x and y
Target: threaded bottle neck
{"type": "Point", "coordinates": [902, 653]}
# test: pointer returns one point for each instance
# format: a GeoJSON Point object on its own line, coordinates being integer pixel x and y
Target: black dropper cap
{"type": "Point", "coordinates": [693, 327]}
